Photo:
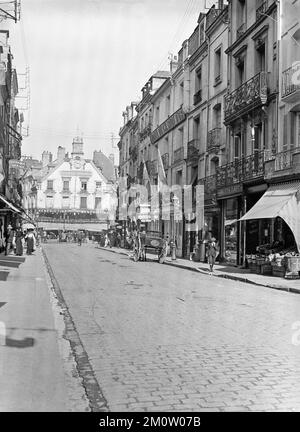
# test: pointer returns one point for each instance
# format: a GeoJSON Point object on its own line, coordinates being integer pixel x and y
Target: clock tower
{"type": "Point", "coordinates": [77, 160]}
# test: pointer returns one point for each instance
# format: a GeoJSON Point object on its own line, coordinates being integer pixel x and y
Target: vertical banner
{"type": "Point", "coordinates": [200, 206]}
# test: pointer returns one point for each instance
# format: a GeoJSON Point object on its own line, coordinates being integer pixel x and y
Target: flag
{"type": "Point", "coordinates": [146, 177]}
{"type": "Point", "coordinates": [162, 178]}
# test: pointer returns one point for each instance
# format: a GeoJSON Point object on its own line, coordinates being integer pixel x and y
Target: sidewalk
{"type": "Point", "coordinates": [33, 374]}
{"type": "Point", "coordinates": [227, 272]}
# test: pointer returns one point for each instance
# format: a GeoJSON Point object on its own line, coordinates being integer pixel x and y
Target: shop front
{"type": "Point", "coordinates": [273, 231]}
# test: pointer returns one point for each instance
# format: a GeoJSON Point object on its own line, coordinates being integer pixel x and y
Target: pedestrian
{"type": "Point", "coordinates": [79, 238]}
{"type": "Point", "coordinates": [118, 240]}
{"type": "Point", "coordinates": [173, 248]}
{"type": "Point", "coordinates": [30, 240]}
{"type": "Point", "coordinates": [107, 240]}
{"type": "Point", "coordinates": [19, 242]}
{"type": "Point", "coordinates": [9, 239]}
{"type": "Point", "coordinates": [212, 253]}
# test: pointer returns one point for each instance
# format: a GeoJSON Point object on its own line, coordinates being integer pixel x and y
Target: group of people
{"type": "Point", "coordinates": [18, 239]}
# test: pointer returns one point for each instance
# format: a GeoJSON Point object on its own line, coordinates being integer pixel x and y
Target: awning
{"type": "Point", "coordinates": [9, 204]}
{"type": "Point", "coordinates": [229, 222]}
{"type": "Point", "coordinates": [281, 200]}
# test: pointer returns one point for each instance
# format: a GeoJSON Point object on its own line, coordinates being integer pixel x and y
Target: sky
{"type": "Point", "coordinates": [87, 60]}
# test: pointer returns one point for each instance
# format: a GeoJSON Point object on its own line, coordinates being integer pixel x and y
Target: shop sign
{"type": "Point", "coordinates": [230, 190]}
{"type": "Point", "coordinates": [168, 125]}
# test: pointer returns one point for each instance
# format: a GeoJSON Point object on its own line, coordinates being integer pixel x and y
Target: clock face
{"type": "Point", "coordinates": [77, 163]}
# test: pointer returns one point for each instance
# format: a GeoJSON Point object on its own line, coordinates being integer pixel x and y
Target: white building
{"type": "Point", "coordinates": [71, 191]}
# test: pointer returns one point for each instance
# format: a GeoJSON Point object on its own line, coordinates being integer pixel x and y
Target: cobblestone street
{"type": "Point", "coordinates": [160, 338]}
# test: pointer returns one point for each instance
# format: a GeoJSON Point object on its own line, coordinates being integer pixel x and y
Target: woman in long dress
{"type": "Point", "coordinates": [30, 239]}
{"type": "Point", "coordinates": [19, 243]}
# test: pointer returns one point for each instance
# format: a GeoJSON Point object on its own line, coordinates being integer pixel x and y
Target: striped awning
{"type": "Point", "coordinates": [10, 205]}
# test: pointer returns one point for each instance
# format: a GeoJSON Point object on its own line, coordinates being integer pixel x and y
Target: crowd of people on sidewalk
{"type": "Point", "coordinates": [17, 240]}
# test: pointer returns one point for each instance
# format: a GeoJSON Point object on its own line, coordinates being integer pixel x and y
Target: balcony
{"type": "Point", "coordinates": [240, 31]}
{"type": "Point", "coordinates": [283, 164]}
{"type": "Point", "coordinates": [145, 132]}
{"type": "Point", "coordinates": [197, 97]}
{"type": "Point", "coordinates": [290, 91]}
{"type": "Point", "coordinates": [178, 155]}
{"type": "Point", "coordinates": [244, 169]}
{"type": "Point", "coordinates": [193, 149]}
{"type": "Point", "coordinates": [250, 95]}
{"type": "Point", "coordinates": [214, 140]}
{"type": "Point", "coordinates": [261, 10]}
{"type": "Point", "coordinates": [165, 160]}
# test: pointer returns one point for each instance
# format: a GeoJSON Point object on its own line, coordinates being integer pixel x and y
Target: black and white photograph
{"type": "Point", "coordinates": [149, 209]}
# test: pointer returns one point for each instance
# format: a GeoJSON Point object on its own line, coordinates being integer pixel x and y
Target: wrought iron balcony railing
{"type": "Point", "coordinates": [261, 10]}
{"type": "Point", "coordinates": [243, 169]}
{"type": "Point", "coordinates": [144, 133]}
{"type": "Point", "coordinates": [253, 92]}
{"type": "Point", "coordinates": [165, 160]}
{"type": "Point", "coordinates": [289, 85]}
{"type": "Point", "coordinates": [214, 139]}
{"type": "Point", "coordinates": [241, 30]}
{"type": "Point", "coordinates": [178, 155]}
{"type": "Point", "coordinates": [284, 159]}
{"type": "Point", "coordinates": [193, 148]}
{"type": "Point", "coordinates": [197, 97]}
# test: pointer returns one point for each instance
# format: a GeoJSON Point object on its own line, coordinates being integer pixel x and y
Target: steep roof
{"type": "Point", "coordinates": [106, 166]}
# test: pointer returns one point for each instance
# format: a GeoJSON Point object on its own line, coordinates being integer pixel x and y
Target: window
{"type": "Point", "coordinates": [157, 116]}
{"type": "Point", "coordinates": [66, 184]}
{"type": "Point", "coordinates": [84, 186]}
{"type": "Point", "coordinates": [49, 201]}
{"type": "Point", "coordinates": [260, 56]}
{"type": "Point", "coordinates": [181, 93]}
{"type": "Point", "coordinates": [179, 178]}
{"type": "Point", "coordinates": [198, 81]}
{"type": "Point", "coordinates": [83, 202]}
{"type": "Point", "coordinates": [65, 202]}
{"type": "Point", "coordinates": [240, 71]}
{"type": "Point", "coordinates": [168, 105]}
{"type": "Point", "coordinates": [97, 203]}
{"type": "Point", "coordinates": [241, 13]}
{"type": "Point", "coordinates": [218, 77]}
{"type": "Point", "coordinates": [217, 116]}
{"type": "Point", "coordinates": [98, 185]}
{"type": "Point", "coordinates": [197, 128]}
{"type": "Point", "coordinates": [50, 184]}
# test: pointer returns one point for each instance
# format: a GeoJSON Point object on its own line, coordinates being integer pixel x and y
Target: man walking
{"type": "Point", "coordinates": [212, 253]}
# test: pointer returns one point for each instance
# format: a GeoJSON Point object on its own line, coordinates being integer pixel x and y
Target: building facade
{"type": "Point", "coordinates": [227, 118]}
{"type": "Point", "coordinates": [70, 192]}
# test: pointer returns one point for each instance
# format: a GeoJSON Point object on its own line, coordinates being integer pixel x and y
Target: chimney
{"type": "Point", "coordinates": [46, 158]}
{"type": "Point", "coordinates": [61, 153]}
{"type": "Point", "coordinates": [173, 64]}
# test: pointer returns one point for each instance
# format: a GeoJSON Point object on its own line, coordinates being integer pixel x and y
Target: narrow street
{"type": "Point", "coordinates": [163, 338]}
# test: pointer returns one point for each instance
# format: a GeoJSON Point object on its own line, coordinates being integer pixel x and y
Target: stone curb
{"type": "Point", "coordinates": [224, 276]}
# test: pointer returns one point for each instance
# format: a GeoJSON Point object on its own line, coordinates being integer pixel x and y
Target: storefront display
{"type": "Point", "coordinates": [231, 216]}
